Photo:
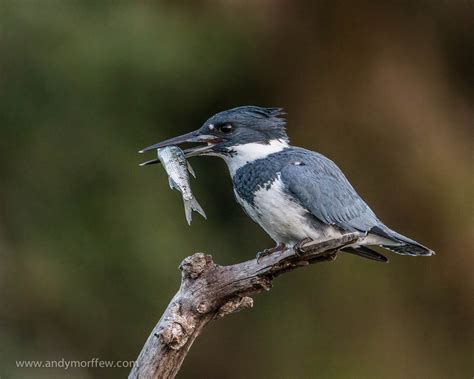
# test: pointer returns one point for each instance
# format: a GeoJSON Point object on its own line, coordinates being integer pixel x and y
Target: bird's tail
{"type": "Point", "coordinates": [365, 252]}
{"type": "Point", "coordinates": [192, 205]}
{"type": "Point", "coordinates": [402, 245]}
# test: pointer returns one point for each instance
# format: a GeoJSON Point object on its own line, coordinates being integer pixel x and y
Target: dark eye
{"type": "Point", "coordinates": [226, 128]}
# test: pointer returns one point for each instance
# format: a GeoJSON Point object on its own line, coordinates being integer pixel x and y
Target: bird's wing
{"type": "Point", "coordinates": [322, 189]}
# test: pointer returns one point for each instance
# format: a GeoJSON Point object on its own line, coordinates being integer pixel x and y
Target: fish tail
{"type": "Point", "coordinates": [192, 205]}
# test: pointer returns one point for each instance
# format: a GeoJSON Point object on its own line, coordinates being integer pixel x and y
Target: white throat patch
{"type": "Point", "coordinates": [252, 151]}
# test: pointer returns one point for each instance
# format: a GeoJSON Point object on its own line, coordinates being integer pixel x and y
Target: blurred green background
{"type": "Point", "coordinates": [90, 243]}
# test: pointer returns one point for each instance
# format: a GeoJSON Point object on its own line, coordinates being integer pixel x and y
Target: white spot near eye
{"type": "Point", "coordinates": [211, 126]}
{"type": "Point", "coordinates": [297, 163]}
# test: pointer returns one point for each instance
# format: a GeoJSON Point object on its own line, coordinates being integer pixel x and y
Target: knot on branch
{"type": "Point", "coordinates": [193, 266]}
{"type": "Point", "coordinates": [235, 305]}
{"type": "Point", "coordinates": [176, 329]}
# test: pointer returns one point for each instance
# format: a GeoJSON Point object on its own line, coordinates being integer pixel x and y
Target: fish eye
{"type": "Point", "coordinates": [226, 128]}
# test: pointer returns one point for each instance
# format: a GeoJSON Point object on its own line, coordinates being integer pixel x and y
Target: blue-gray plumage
{"type": "Point", "coordinates": [292, 193]}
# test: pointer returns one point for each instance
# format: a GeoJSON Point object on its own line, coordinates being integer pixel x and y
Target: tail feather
{"type": "Point", "coordinates": [365, 252]}
{"type": "Point", "coordinates": [409, 249]}
{"type": "Point", "coordinates": [402, 245]}
{"type": "Point", "coordinates": [192, 205]}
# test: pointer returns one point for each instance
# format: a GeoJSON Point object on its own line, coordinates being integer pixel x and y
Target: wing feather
{"type": "Point", "coordinates": [322, 189]}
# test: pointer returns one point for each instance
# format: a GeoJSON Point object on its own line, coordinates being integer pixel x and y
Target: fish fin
{"type": "Point", "coordinates": [191, 171]}
{"type": "Point", "coordinates": [192, 205]}
{"type": "Point", "coordinates": [172, 183]}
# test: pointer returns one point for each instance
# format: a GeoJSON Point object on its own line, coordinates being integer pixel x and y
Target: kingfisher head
{"type": "Point", "coordinates": [240, 135]}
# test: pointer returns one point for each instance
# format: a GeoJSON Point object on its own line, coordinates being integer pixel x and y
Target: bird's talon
{"type": "Point", "coordinates": [260, 255]}
{"type": "Point", "coordinates": [298, 248]}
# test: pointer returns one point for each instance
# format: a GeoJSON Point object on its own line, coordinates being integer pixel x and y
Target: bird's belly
{"type": "Point", "coordinates": [285, 220]}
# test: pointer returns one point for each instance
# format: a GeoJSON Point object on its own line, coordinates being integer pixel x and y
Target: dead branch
{"type": "Point", "coordinates": [209, 291]}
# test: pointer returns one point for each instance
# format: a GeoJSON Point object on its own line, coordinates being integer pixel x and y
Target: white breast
{"type": "Point", "coordinates": [283, 219]}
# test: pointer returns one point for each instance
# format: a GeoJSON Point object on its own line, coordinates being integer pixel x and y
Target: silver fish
{"type": "Point", "coordinates": [176, 166]}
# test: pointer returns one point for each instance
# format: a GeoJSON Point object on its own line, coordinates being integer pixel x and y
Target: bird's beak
{"type": "Point", "coordinates": [193, 137]}
{"type": "Point", "coordinates": [189, 137]}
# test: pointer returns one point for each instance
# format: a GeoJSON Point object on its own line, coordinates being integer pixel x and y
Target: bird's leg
{"type": "Point", "coordinates": [264, 253]}
{"type": "Point", "coordinates": [326, 256]}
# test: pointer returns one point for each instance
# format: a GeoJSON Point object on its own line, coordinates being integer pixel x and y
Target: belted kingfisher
{"type": "Point", "coordinates": [294, 194]}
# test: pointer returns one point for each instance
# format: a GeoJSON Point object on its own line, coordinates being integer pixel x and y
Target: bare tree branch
{"type": "Point", "coordinates": [209, 291]}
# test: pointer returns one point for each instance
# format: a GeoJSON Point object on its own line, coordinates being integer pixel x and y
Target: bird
{"type": "Point", "coordinates": [296, 195]}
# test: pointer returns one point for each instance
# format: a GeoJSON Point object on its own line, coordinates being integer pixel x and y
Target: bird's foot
{"type": "Point", "coordinates": [272, 250]}
{"type": "Point", "coordinates": [300, 251]}
{"type": "Point", "coordinates": [298, 247]}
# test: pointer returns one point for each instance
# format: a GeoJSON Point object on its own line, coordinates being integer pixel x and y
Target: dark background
{"type": "Point", "coordinates": [90, 242]}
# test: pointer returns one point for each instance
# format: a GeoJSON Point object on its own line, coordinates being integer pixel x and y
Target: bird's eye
{"type": "Point", "coordinates": [226, 128]}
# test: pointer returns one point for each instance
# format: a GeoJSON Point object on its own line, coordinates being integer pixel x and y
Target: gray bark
{"type": "Point", "coordinates": [209, 291]}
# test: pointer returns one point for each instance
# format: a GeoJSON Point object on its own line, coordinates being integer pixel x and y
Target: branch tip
{"type": "Point", "coordinates": [193, 266]}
